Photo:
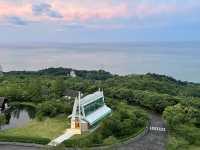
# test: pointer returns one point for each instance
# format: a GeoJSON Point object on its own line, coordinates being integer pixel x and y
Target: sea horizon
{"type": "Point", "coordinates": [180, 60]}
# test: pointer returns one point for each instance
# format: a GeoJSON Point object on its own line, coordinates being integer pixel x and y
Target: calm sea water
{"type": "Point", "coordinates": [180, 60]}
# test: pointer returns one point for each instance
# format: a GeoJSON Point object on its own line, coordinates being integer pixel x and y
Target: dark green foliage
{"type": "Point", "coordinates": [35, 140]}
{"type": "Point", "coordinates": [190, 133]}
{"type": "Point", "coordinates": [59, 87]}
{"type": "Point", "coordinates": [151, 100]}
{"type": "Point", "coordinates": [179, 100]}
{"type": "Point", "coordinates": [110, 140]}
{"type": "Point", "coordinates": [183, 120]}
{"type": "Point", "coordinates": [166, 78]}
{"type": "Point", "coordinates": [153, 83]}
{"type": "Point", "coordinates": [34, 90]}
{"type": "Point", "coordinates": [183, 113]}
{"type": "Point", "coordinates": [52, 108]}
{"type": "Point", "coordinates": [2, 120]}
{"type": "Point", "coordinates": [94, 75]}
{"type": "Point", "coordinates": [55, 71]}
{"type": "Point", "coordinates": [161, 91]}
{"type": "Point", "coordinates": [123, 122]}
{"type": "Point", "coordinates": [177, 143]}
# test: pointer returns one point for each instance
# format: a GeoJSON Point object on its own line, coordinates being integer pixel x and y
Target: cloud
{"type": "Point", "coordinates": [148, 9]}
{"type": "Point", "coordinates": [54, 14]}
{"type": "Point", "coordinates": [40, 9]}
{"type": "Point", "coordinates": [91, 11]}
{"type": "Point", "coordinates": [88, 11]}
{"type": "Point", "coordinates": [45, 9]}
{"type": "Point", "coordinates": [16, 20]}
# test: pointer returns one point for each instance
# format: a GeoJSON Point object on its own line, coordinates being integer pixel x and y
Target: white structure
{"type": "Point", "coordinates": [87, 111]}
{"type": "Point", "coordinates": [72, 73]}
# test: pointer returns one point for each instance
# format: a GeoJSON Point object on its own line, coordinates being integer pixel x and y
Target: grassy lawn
{"type": "Point", "coordinates": [49, 128]}
{"type": "Point", "coordinates": [194, 147]}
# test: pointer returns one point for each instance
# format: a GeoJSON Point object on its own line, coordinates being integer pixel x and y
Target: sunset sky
{"type": "Point", "coordinates": [99, 20]}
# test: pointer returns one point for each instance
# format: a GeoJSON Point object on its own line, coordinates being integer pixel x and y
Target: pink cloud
{"type": "Point", "coordinates": [143, 10]}
{"type": "Point", "coordinates": [82, 12]}
{"type": "Point", "coordinates": [71, 12]}
{"type": "Point", "coordinates": [88, 10]}
{"type": "Point", "coordinates": [7, 9]}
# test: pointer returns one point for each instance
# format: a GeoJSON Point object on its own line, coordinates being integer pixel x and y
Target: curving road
{"type": "Point", "coordinates": [155, 139]}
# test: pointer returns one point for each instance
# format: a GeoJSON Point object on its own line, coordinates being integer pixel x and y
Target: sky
{"type": "Point", "coordinates": [77, 21]}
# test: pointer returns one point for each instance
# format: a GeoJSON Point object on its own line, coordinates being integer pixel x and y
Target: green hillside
{"type": "Point", "coordinates": [178, 101]}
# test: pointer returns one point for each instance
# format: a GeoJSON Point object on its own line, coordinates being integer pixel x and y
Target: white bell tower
{"type": "Point", "coordinates": [76, 113]}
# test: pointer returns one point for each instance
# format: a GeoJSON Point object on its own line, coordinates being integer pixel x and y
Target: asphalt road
{"type": "Point", "coordinates": [153, 140]}
{"type": "Point", "coordinates": [15, 147]}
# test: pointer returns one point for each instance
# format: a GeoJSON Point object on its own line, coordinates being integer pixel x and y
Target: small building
{"type": "Point", "coordinates": [72, 74]}
{"type": "Point", "coordinates": [3, 104]}
{"type": "Point", "coordinates": [88, 111]}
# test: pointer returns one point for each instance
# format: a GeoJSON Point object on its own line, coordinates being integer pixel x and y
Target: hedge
{"type": "Point", "coordinates": [86, 141]}
{"type": "Point", "coordinates": [23, 139]}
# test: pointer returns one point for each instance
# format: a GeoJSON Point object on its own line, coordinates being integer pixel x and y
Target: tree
{"type": "Point", "coordinates": [2, 120]}
{"type": "Point", "coordinates": [34, 90]}
{"type": "Point", "coordinates": [59, 87]}
{"type": "Point", "coordinates": [174, 115]}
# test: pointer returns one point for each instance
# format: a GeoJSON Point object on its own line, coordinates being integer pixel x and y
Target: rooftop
{"type": "Point", "coordinates": [98, 115]}
{"type": "Point", "coordinates": [91, 98]}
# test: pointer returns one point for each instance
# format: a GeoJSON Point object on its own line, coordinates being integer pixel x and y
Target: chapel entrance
{"type": "Point", "coordinates": [77, 123]}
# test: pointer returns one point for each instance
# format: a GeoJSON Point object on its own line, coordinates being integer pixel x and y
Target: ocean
{"type": "Point", "coordinates": [180, 60]}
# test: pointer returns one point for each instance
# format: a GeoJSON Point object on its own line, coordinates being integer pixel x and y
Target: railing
{"type": "Point", "coordinates": [131, 139]}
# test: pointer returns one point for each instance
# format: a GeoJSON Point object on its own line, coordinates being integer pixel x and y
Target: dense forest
{"type": "Point", "coordinates": [177, 101]}
{"type": "Point", "coordinates": [94, 75]}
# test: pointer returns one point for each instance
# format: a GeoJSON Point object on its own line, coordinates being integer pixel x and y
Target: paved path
{"type": "Point", "coordinates": [155, 139]}
{"type": "Point", "coordinates": [67, 135]}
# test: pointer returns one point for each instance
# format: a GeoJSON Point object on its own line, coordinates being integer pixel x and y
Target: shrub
{"type": "Point", "coordinates": [52, 108]}
{"type": "Point", "coordinates": [111, 126]}
{"type": "Point", "coordinates": [40, 117]}
{"type": "Point", "coordinates": [95, 138]}
{"type": "Point", "coordinates": [110, 140]}
{"type": "Point", "coordinates": [177, 143]}
{"type": "Point", "coordinates": [127, 126]}
{"type": "Point", "coordinates": [2, 120]}
{"type": "Point", "coordinates": [23, 139]}
{"type": "Point", "coordinates": [80, 142]}
{"type": "Point", "coordinates": [189, 133]}
{"type": "Point", "coordinates": [123, 122]}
